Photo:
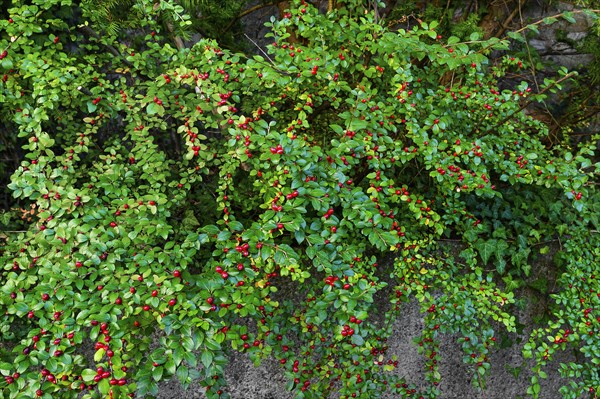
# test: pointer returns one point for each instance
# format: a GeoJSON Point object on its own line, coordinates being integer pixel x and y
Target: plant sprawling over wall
{"type": "Point", "coordinates": [262, 203]}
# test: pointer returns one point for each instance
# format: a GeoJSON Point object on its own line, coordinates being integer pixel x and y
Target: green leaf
{"type": "Point", "coordinates": [7, 64]}
{"type": "Point", "coordinates": [516, 36]}
{"type": "Point", "coordinates": [153, 108]}
{"type": "Point", "coordinates": [357, 340]}
{"type": "Point", "coordinates": [104, 386]}
{"type": "Point", "coordinates": [211, 229]}
{"type": "Point", "coordinates": [177, 355]}
{"type": "Point", "coordinates": [568, 16]}
{"type": "Point", "coordinates": [224, 235]}
{"type": "Point", "coordinates": [21, 307]}
{"type": "Point", "coordinates": [235, 226]}
{"type": "Point", "coordinates": [207, 358]}
{"type": "Point", "coordinates": [99, 355]}
{"type": "Point", "coordinates": [501, 249]}
{"type": "Point", "coordinates": [358, 124]}
{"type": "Point", "coordinates": [299, 235]}
{"type": "Point", "coordinates": [500, 266]}
{"type": "Point", "coordinates": [337, 129]}
{"type": "Point", "coordinates": [170, 367]}
{"type": "Point", "coordinates": [486, 249]}
{"type": "Point", "coordinates": [533, 28]}
{"type": "Point", "coordinates": [91, 107]}
{"type": "Point", "coordinates": [157, 373]}
{"type": "Point", "coordinates": [88, 375]}
{"type": "Point", "coordinates": [182, 374]}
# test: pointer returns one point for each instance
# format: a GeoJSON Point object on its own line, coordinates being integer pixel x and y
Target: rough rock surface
{"type": "Point", "coordinates": [557, 43]}
{"type": "Point", "coordinates": [508, 378]}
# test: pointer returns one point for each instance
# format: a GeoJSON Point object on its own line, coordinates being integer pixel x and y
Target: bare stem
{"type": "Point", "coordinates": [261, 50]}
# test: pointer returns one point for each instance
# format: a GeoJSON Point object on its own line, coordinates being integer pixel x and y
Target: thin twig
{"type": "Point", "coordinates": [261, 50]}
{"type": "Point", "coordinates": [541, 21]}
{"type": "Point", "coordinates": [256, 8]}
{"type": "Point", "coordinates": [87, 31]}
{"type": "Point", "coordinates": [533, 71]}
{"type": "Point", "coordinates": [248, 11]}
{"type": "Point", "coordinates": [506, 37]}
{"type": "Point", "coordinates": [508, 20]}
{"type": "Point", "coordinates": [177, 39]}
{"type": "Point", "coordinates": [376, 11]}
{"type": "Point", "coordinates": [388, 9]}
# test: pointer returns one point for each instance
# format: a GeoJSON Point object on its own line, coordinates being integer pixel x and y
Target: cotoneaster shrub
{"type": "Point", "coordinates": [261, 203]}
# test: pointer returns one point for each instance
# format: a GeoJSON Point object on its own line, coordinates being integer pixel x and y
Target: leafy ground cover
{"type": "Point", "coordinates": [183, 189]}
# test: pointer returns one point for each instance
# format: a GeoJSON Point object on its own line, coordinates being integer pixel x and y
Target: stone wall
{"type": "Point", "coordinates": [557, 43]}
